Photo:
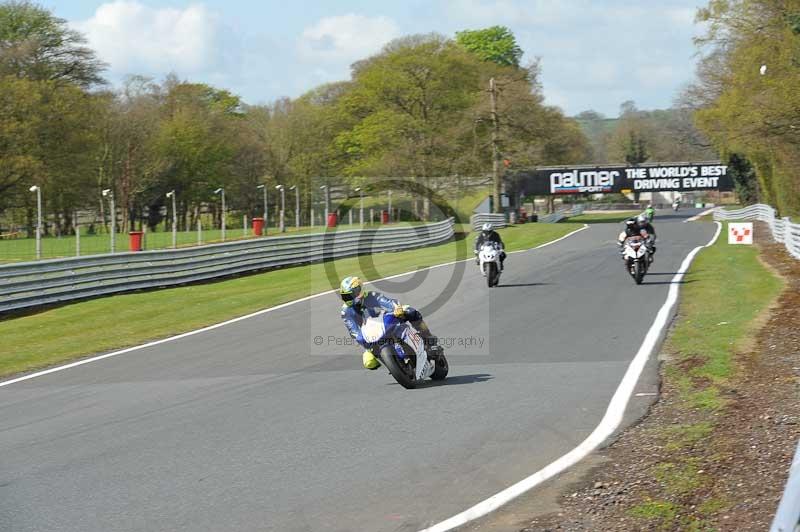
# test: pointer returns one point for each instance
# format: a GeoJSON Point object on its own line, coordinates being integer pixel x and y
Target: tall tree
{"type": "Point", "coordinates": [746, 94]}
{"type": "Point", "coordinates": [36, 45]}
{"type": "Point", "coordinates": [496, 44]}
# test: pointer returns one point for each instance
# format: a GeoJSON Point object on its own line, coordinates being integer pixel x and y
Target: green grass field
{"type": "Point", "coordinates": [103, 324]}
{"type": "Point", "coordinates": [603, 217]}
{"type": "Point", "coordinates": [24, 249]}
{"type": "Point", "coordinates": [726, 290]}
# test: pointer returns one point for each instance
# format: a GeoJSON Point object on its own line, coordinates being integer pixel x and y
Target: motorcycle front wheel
{"type": "Point", "coordinates": [402, 371]}
{"type": "Point", "coordinates": [441, 368]}
{"type": "Point", "coordinates": [639, 272]}
{"type": "Point", "coordinates": [491, 274]}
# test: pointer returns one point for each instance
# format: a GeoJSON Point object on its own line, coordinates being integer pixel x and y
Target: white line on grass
{"type": "Point", "coordinates": [610, 422]}
{"type": "Point", "coordinates": [234, 320]}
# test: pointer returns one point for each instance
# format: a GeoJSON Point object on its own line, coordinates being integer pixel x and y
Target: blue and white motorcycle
{"type": "Point", "coordinates": [403, 351]}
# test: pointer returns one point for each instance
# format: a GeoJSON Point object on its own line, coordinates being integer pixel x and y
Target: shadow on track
{"type": "Point", "coordinates": [457, 379]}
{"type": "Point", "coordinates": [513, 285]}
{"type": "Point", "coordinates": [667, 282]}
{"type": "Point", "coordinates": [670, 273]}
{"type": "Point", "coordinates": [464, 379]}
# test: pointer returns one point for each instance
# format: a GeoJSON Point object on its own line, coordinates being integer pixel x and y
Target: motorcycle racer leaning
{"type": "Point", "coordinates": [488, 234]}
{"type": "Point", "coordinates": [358, 305]}
{"type": "Point", "coordinates": [639, 226]}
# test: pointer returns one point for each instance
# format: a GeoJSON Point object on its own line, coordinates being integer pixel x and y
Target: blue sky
{"type": "Point", "coordinates": [594, 55]}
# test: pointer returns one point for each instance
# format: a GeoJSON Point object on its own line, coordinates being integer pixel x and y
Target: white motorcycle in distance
{"type": "Point", "coordinates": [676, 205]}
{"type": "Point", "coordinates": [489, 261]}
{"type": "Point", "coordinates": [636, 257]}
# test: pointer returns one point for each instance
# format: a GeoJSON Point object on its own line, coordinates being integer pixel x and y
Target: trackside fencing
{"type": "Point", "coordinates": [561, 214]}
{"type": "Point", "coordinates": [497, 220]}
{"type": "Point", "coordinates": [45, 282]}
{"type": "Point", "coordinates": [788, 515]}
{"type": "Point", "coordinates": [787, 518]}
{"type": "Point", "coordinates": [783, 230]}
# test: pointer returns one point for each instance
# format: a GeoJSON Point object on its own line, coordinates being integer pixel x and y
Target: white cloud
{"type": "Point", "coordinates": [594, 53]}
{"type": "Point", "coordinates": [135, 38]}
{"type": "Point", "coordinates": [655, 76]}
{"type": "Point", "coordinates": [346, 38]}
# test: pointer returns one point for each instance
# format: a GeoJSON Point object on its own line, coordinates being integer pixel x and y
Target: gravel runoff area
{"type": "Point", "coordinates": [738, 471]}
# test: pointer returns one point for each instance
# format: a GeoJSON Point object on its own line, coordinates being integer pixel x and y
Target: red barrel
{"type": "Point", "coordinates": [331, 219]}
{"type": "Point", "coordinates": [135, 240]}
{"type": "Point", "coordinates": [384, 217]}
{"type": "Point", "coordinates": [258, 226]}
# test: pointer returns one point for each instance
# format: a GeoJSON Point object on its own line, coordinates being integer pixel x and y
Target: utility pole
{"type": "Point", "coordinates": [498, 208]}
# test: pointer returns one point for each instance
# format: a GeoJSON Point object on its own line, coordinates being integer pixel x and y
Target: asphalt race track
{"type": "Point", "coordinates": [253, 427]}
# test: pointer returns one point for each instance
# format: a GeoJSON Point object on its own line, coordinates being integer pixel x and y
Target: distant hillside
{"type": "Point", "coordinates": [670, 135]}
{"type": "Point", "coordinates": [598, 130]}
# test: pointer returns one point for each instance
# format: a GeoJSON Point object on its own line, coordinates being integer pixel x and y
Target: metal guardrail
{"type": "Point", "coordinates": [39, 283]}
{"type": "Point", "coordinates": [561, 214]}
{"type": "Point", "coordinates": [788, 514]}
{"type": "Point", "coordinates": [497, 220]}
{"type": "Point", "coordinates": [787, 517]}
{"type": "Point", "coordinates": [783, 230]}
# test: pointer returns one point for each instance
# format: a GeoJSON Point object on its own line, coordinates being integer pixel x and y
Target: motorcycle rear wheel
{"type": "Point", "coordinates": [398, 369]}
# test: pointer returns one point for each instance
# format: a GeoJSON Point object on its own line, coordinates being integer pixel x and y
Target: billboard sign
{"type": "Point", "coordinates": [679, 177]}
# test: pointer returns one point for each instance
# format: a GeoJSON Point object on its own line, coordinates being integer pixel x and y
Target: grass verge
{"type": "Point", "coordinates": [727, 289]}
{"type": "Point", "coordinates": [63, 333]}
{"type": "Point", "coordinates": [603, 217]}
{"type": "Point", "coordinates": [24, 249]}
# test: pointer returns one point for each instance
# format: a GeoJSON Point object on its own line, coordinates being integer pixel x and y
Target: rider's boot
{"type": "Point", "coordinates": [369, 360]}
{"type": "Point", "coordinates": [430, 340]}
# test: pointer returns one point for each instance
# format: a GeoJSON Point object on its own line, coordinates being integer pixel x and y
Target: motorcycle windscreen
{"type": "Point", "coordinates": [373, 330]}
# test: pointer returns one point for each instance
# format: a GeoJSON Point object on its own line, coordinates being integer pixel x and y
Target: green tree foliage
{"type": "Point", "coordinates": [747, 91]}
{"type": "Point", "coordinates": [667, 135]}
{"type": "Point", "coordinates": [36, 45]}
{"type": "Point", "coordinates": [744, 178]}
{"type": "Point", "coordinates": [496, 44]}
{"type": "Point", "coordinates": [418, 111]}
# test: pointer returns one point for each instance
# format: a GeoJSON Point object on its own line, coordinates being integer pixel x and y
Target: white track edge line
{"type": "Point", "coordinates": [698, 216]}
{"type": "Point", "coordinates": [234, 320]}
{"type": "Point", "coordinates": [608, 424]}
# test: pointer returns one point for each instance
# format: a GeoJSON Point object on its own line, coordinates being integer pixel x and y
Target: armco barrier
{"type": "Point", "coordinates": [783, 230]}
{"type": "Point", "coordinates": [497, 220]}
{"type": "Point", "coordinates": [788, 514]}
{"type": "Point", "coordinates": [561, 214]}
{"type": "Point", "coordinates": [34, 284]}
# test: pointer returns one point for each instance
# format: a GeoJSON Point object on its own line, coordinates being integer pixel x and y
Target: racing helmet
{"type": "Point", "coordinates": [641, 219]}
{"type": "Point", "coordinates": [350, 291]}
{"type": "Point", "coordinates": [486, 227]}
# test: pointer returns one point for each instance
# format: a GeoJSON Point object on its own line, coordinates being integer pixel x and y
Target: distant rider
{"type": "Point", "coordinates": [650, 213]}
{"type": "Point", "coordinates": [639, 226]}
{"type": "Point", "coordinates": [488, 234]}
{"type": "Point", "coordinates": [358, 305]}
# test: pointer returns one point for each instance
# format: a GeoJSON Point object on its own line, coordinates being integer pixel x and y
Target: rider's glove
{"type": "Point", "coordinates": [399, 311]}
